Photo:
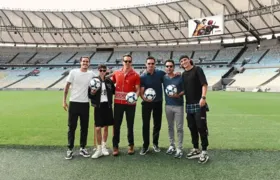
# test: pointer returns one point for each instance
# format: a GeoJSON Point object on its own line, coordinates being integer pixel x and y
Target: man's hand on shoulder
{"type": "Point", "coordinates": [178, 73]}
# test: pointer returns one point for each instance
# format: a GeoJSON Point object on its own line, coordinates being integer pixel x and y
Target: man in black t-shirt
{"type": "Point", "coordinates": [195, 89]}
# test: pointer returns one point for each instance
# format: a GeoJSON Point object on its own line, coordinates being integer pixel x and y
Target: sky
{"type": "Point", "coordinates": [72, 4]}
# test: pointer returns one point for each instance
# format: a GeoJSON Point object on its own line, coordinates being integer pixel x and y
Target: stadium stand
{"type": "Point", "coordinates": [227, 54]}
{"type": "Point", "coordinates": [100, 57]}
{"type": "Point", "coordinates": [252, 78]}
{"type": "Point", "coordinates": [139, 57]}
{"type": "Point", "coordinates": [250, 59]}
{"type": "Point", "coordinates": [10, 75]}
{"type": "Point", "coordinates": [62, 58]}
{"type": "Point", "coordinates": [5, 57]}
{"type": "Point", "coordinates": [42, 80]}
{"type": "Point", "coordinates": [252, 54]}
{"type": "Point", "coordinates": [206, 55]}
{"type": "Point", "coordinates": [272, 86]}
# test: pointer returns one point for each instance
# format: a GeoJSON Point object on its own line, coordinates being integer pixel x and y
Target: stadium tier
{"type": "Point", "coordinates": [38, 48]}
{"type": "Point", "coordinates": [253, 78]}
{"type": "Point", "coordinates": [209, 59]}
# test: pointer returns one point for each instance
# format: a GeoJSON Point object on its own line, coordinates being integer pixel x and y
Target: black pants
{"type": "Point", "coordinates": [197, 124]}
{"type": "Point", "coordinates": [147, 109]}
{"type": "Point", "coordinates": [77, 110]}
{"type": "Point", "coordinates": [119, 110]}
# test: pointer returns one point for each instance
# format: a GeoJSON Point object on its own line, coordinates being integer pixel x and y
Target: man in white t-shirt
{"type": "Point", "coordinates": [79, 80]}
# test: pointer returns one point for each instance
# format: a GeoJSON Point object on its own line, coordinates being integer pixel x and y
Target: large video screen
{"type": "Point", "coordinates": [207, 26]}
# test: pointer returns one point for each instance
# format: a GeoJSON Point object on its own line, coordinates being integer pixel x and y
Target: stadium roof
{"type": "Point", "coordinates": [158, 24]}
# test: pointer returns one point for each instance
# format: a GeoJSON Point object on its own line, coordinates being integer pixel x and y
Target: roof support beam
{"type": "Point", "coordinates": [248, 29]}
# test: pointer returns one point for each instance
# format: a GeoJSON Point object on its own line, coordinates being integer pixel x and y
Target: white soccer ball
{"type": "Point", "coordinates": [170, 90]}
{"type": "Point", "coordinates": [95, 84]}
{"type": "Point", "coordinates": [131, 97]}
{"type": "Point", "coordinates": [150, 94]}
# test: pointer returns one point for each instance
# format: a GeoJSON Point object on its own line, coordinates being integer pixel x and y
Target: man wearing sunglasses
{"type": "Point", "coordinates": [151, 78]}
{"type": "Point", "coordinates": [195, 88]}
{"type": "Point", "coordinates": [103, 112]}
{"type": "Point", "coordinates": [174, 109]}
{"type": "Point", "coordinates": [126, 80]}
{"type": "Point", "coordinates": [79, 80]}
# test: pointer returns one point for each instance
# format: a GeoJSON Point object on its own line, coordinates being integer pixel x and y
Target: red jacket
{"type": "Point", "coordinates": [125, 84]}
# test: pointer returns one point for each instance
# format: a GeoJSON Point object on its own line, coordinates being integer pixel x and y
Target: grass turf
{"type": "Point", "coordinates": [235, 121]}
{"type": "Point", "coordinates": [47, 164]}
{"type": "Point", "coordinates": [243, 138]}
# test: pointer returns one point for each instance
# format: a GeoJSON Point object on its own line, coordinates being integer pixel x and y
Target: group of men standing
{"type": "Point", "coordinates": [192, 83]}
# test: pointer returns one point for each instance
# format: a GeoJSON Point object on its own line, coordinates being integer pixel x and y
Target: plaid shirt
{"type": "Point", "coordinates": [192, 108]}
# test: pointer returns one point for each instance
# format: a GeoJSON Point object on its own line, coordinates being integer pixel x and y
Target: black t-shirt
{"type": "Point", "coordinates": [193, 80]}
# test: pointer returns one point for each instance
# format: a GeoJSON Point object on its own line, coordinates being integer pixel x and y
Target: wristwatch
{"type": "Point", "coordinates": [203, 97]}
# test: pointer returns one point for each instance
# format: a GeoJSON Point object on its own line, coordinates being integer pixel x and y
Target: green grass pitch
{"type": "Point", "coordinates": [243, 136]}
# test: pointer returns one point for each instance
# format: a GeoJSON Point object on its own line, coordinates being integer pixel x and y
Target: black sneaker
{"type": "Point", "coordinates": [84, 152]}
{"type": "Point", "coordinates": [179, 153]}
{"type": "Point", "coordinates": [144, 151]}
{"type": "Point", "coordinates": [156, 148]}
{"type": "Point", "coordinates": [194, 153]}
{"type": "Point", "coordinates": [171, 150]}
{"type": "Point", "coordinates": [203, 158]}
{"type": "Point", "coordinates": [69, 154]}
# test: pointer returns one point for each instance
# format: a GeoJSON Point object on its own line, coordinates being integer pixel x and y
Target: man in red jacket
{"type": "Point", "coordinates": [126, 80]}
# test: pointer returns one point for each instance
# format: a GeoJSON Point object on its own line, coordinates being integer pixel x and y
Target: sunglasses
{"type": "Point", "coordinates": [127, 61]}
{"type": "Point", "coordinates": [151, 63]}
{"type": "Point", "coordinates": [100, 70]}
{"type": "Point", "coordinates": [169, 66]}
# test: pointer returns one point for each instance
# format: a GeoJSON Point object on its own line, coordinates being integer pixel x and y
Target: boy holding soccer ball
{"type": "Point", "coordinates": [101, 100]}
{"type": "Point", "coordinates": [174, 107]}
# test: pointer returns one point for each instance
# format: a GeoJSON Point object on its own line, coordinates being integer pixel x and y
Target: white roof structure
{"type": "Point", "coordinates": [159, 24]}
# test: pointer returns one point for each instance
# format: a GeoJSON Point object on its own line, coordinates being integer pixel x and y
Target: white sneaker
{"type": "Point", "coordinates": [171, 150]}
{"type": "Point", "coordinates": [179, 153]}
{"type": "Point", "coordinates": [94, 149]}
{"type": "Point", "coordinates": [203, 157]}
{"type": "Point", "coordinates": [194, 153]}
{"type": "Point", "coordinates": [105, 151]}
{"type": "Point", "coordinates": [98, 153]}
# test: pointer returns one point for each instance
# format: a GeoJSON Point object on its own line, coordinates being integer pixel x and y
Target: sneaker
{"type": "Point", "coordinates": [94, 149]}
{"type": "Point", "coordinates": [97, 154]}
{"type": "Point", "coordinates": [105, 151]}
{"type": "Point", "coordinates": [84, 152]}
{"type": "Point", "coordinates": [170, 150]}
{"type": "Point", "coordinates": [203, 158]}
{"type": "Point", "coordinates": [144, 151]}
{"type": "Point", "coordinates": [156, 148]}
{"type": "Point", "coordinates": [116, 151]}
{"type": "Point", "coordinates": [179, 153]}
{"type": "Point", "coordinates": [69, 154]}
{"type": "Point", "coordinates": [194, 153]}
{"type": "Point", "coordinates": [130, 150]}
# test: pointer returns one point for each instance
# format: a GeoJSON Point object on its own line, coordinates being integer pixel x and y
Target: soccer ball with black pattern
{"type": "Point", "coordinates": [171, 89]}
{"type": "Point", "coordinates": [131, 98]}
{"type": "Point", "coordinates": [150, 94]}
{"type": "Point", "coordinates": [95, 84]}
